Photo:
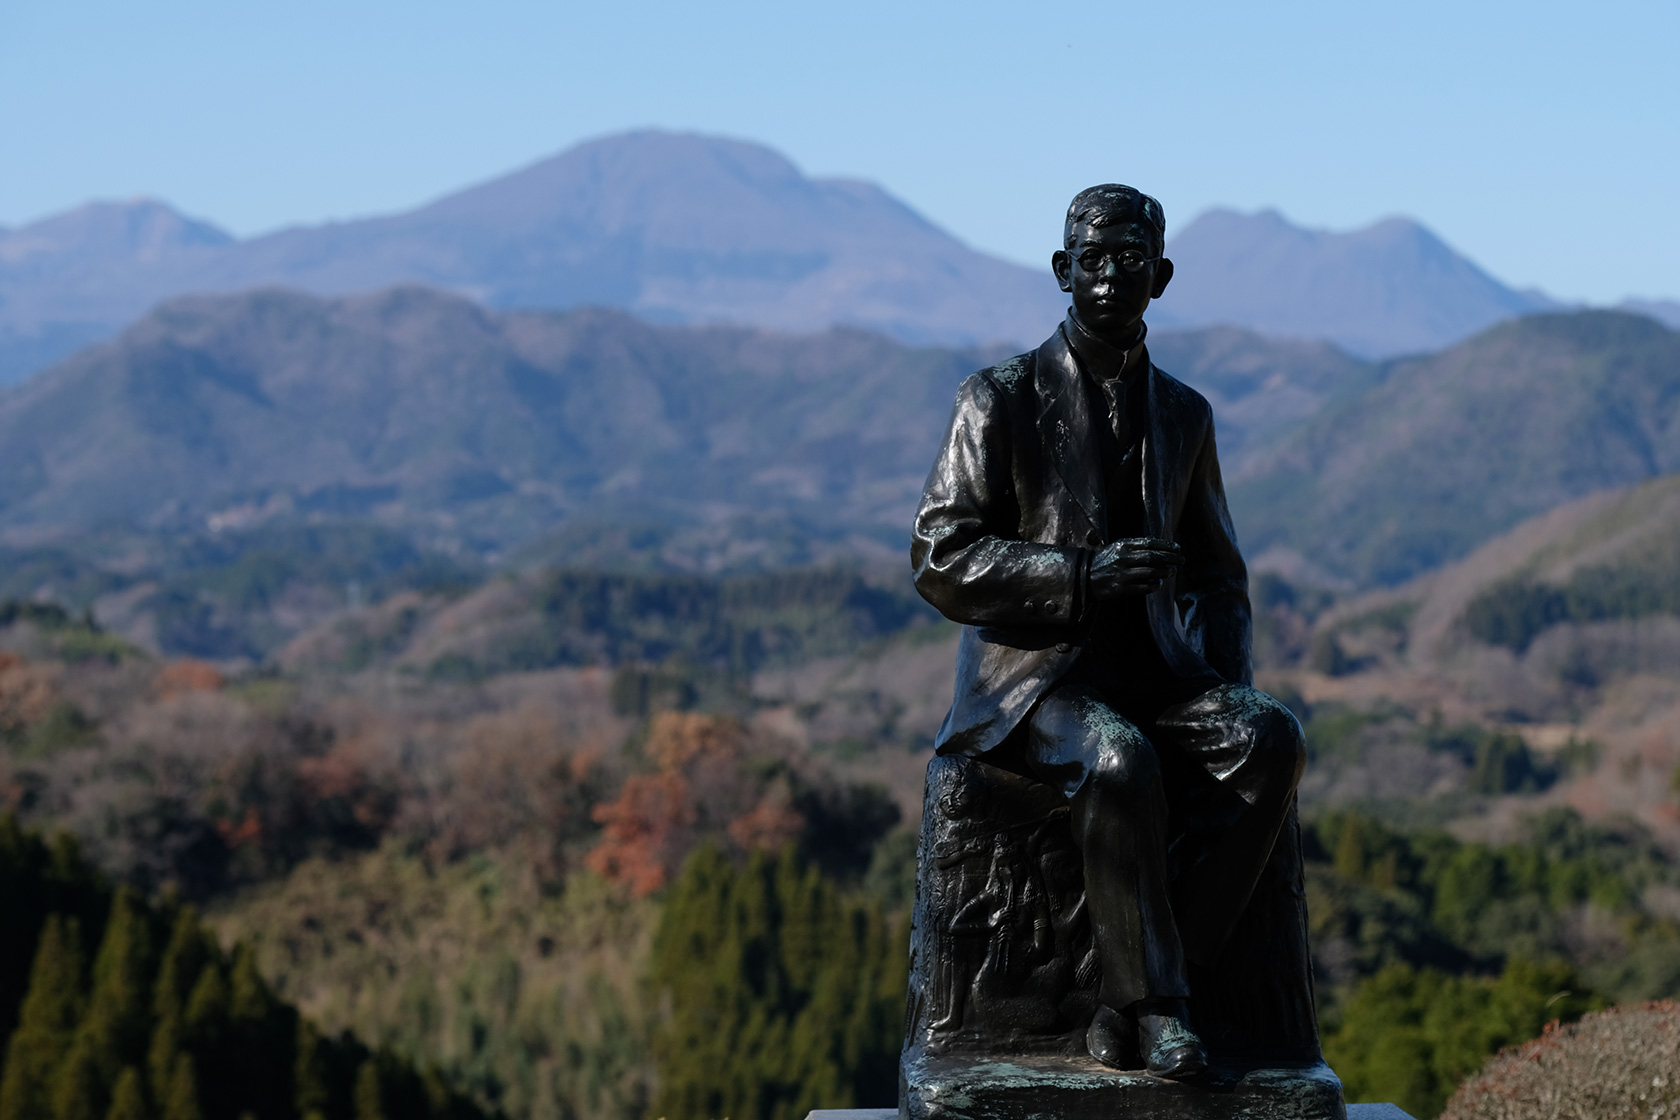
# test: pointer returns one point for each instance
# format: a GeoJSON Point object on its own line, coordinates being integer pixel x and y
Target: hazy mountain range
{"type": "Point", "coordinates": [1393, 287]}
{"type": "Point", "coordinates": [487, 429]}
{"type": "Point", "coordinates": [484, 431]}
{"type": "Point", "coordinates": [681, 228]}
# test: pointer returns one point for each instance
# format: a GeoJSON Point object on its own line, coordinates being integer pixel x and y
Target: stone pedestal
{"type": "Point", "coordinates": [1004, 976]}
{"type": "Point", "coordinates": [1354, 1112]}
{"type": "Point", "coordinates": [1084, 1089]}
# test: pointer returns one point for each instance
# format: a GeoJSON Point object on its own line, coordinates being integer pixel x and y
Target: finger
{"type": "Point", "coordinates": [1144, 575]}
{"type": "Point", "coordinates": [1154, 560]}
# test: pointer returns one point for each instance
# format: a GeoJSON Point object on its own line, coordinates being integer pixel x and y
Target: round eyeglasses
{"type": "Point", "coordinates": [1094, 260]}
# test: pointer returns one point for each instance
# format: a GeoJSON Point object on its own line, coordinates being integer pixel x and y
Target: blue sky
{"type": "Point", "coordinates": [1542, 139]}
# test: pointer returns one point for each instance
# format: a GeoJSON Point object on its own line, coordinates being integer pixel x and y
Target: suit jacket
{"type": "Point", "coordinates": [1013, 512]}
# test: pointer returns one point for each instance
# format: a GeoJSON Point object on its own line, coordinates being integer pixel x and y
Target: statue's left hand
{"type": "Point", "coordinates": [1134, 566]}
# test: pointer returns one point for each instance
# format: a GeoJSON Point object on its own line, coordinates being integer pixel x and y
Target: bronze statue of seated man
{"type": "Point", "coordinates": [1075, 524]}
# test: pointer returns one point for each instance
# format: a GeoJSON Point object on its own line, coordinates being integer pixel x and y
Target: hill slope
{"type": "Point", "coordinates": [1450, 449]}
{"type": "Point", "coordinates": [429, 412]}
{"type": "Point", "coordinates": [410, 404]}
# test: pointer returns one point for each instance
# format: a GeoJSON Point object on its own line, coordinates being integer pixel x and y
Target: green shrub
{"type": "Point", "coordinates": [1411, 1035]}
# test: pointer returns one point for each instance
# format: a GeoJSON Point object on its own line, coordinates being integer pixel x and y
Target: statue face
{"type": "Point", "coordinates": [1112, 271]}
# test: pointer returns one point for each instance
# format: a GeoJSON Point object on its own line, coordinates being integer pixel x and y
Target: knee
{"type": "Point", "coordinates": [1126, 765]}
{"type": "Point", "coordinates": [1280, 746]}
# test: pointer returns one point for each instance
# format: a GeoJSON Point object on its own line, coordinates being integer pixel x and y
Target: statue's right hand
{"type": "Point", "coordinates": [1134, 566]}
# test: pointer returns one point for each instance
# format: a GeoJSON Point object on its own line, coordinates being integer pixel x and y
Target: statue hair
{"type": "Point", "coordinates": [1113, 202]}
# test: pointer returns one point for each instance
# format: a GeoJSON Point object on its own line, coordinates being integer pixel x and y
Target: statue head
{"type": "Point", "coordinates": [1111, 258]}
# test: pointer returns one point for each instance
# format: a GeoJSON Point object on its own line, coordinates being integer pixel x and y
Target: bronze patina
{"type": "Point", "coordinates": [1109, 904]}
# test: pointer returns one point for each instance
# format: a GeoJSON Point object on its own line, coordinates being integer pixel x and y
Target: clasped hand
{"type": "Point", "coordinates": [1134, 566]}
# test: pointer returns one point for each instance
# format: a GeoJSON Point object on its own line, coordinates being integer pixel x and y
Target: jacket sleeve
{"type": "Point", "coordinates": [1212, 588]}
{"type": "Point", "coordinates": [965, 550]}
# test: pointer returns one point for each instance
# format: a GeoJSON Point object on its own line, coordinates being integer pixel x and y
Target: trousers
{"type": "Point", "coordinates": [1176, 803]}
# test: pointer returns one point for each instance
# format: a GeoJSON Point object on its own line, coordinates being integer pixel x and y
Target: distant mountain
{"type": "Point", "coordinates": [411, 404]}
{"type": "Point", "coordinates": [1450, 449]}
{"type": "Point", "coordinates": [1663, 310]}
{"type": "Point", "coordinates": [676, 228]}
{"type": "Point", "coordinates": [1260, 388]}
{"type": "Point", "coordinates": [425, 411]}
{"type": "Point", "coordinates": [1390, 288]}
{"type": "Point", "coordinates": [688, 229]}
{"type": "Point", "coordinates": [77, 277]}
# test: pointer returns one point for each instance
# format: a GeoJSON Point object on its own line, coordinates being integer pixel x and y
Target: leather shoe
{"type": "Point", "coordinates": [1170, 1048]}
{"type": "Point", "coordinates": [1112, 1038]}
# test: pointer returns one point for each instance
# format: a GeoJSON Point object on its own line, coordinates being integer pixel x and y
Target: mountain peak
{"type": "Point", "coordinates": [1390, 287]}
{"type": "Point", "coordinates": [141, 229]}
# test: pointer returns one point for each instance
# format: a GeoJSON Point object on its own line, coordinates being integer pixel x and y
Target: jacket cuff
{"type": "Point", "coordinates": [1081, 585]}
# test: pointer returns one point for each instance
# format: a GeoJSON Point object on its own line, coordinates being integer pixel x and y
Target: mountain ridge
{"type": "Point", "coordinates": [414, 405]}
{"type": "Point", "coordinates": [1387, 288]}
{"type": "Point", "coordinates": [1448, 449]}
{"type": "Point", "coordinates": [674, 227]}
{"type": "Point", "coordinates": [686, 228]}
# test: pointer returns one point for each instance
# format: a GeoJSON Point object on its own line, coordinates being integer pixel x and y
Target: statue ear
{"type": "Point", "coordinates": [1061, 263]}
{"type": "Point", "coordinates": [1163, 277]}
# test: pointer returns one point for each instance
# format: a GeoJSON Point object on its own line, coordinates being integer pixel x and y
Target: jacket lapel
{"type": "Point", "coordinates": [1163, 466]}
{"type": "Point", "coordinates": [1159, 457]}
{"type": "Point", "coordinates": [1064, 427]}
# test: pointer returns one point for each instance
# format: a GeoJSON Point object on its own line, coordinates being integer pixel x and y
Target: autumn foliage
{"type": "Point", "coordinates": [703, 785]}
{"type": "Point", "coordinates": [188, 675]}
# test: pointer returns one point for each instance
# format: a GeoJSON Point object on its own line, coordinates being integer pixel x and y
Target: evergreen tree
{"type": "Point", "coordinates": [181, 1101]}
{"type": "Point", "coordinates": [311, 1094]}
{"type": "Point", "coordinates": [119, 1006]}
{"type": "Point", "coordinates": [249, 1000]}
{"type": "Point", "coordinates": [207, 1038]}
{"type": "Point", "coordinates": [1350, 849]}
{"type": "Point", "coordinates": [177, 1035]}
{"type": "Point", "coordinates": [714, 954]}
{"type": "Point", "coordinates": [47, 1022]}
{"type": "Point", "coordinates": [370, 1100]}
{"type": "Point", "coordinates": [178, 970]}
{"type": "Point", "coordinates": [161, 1055]}
{"type": "Point", "coordinates": [128, 1099]}
{"type": "Point", "coordinates": [207, 1007]}
{"type": "Point", "coordinates": [183, 958]}
{"type": "Point", "coordinates": [79, 1091]}
{"type": "Point", "coordinates": [783, 996]}
{"type": "Point", "coordinates": [260, 1064]}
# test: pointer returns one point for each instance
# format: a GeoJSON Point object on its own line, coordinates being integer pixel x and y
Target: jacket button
{"type": "Point", "coordinates": [1030, 606]}
{"type": "Point", "coordinates": [1052, 607]}
{"type": "Point", "coordinates": [1092, 539]}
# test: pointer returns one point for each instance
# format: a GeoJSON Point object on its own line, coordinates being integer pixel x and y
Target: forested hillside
{"type": "Point", "coordinates": [113, 1007]}
{"type": "Point", "coordinates": [1452, 448]}
{"type": "Point", "coordinates": [481, 829]}
{"type": "Point", "coordinates": [560, 728]}
{"type": "Point", "coordinates": [478, 432]}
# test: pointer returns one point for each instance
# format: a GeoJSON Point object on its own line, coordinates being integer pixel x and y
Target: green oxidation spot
{"type": "Point", "coordinates": [1104, 720]}
{"type": "Point", "coordinates": [1008, 373]}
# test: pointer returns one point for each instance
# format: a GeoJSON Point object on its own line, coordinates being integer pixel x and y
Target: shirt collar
{"type": "Point", "coordinates": [1101, 360]}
